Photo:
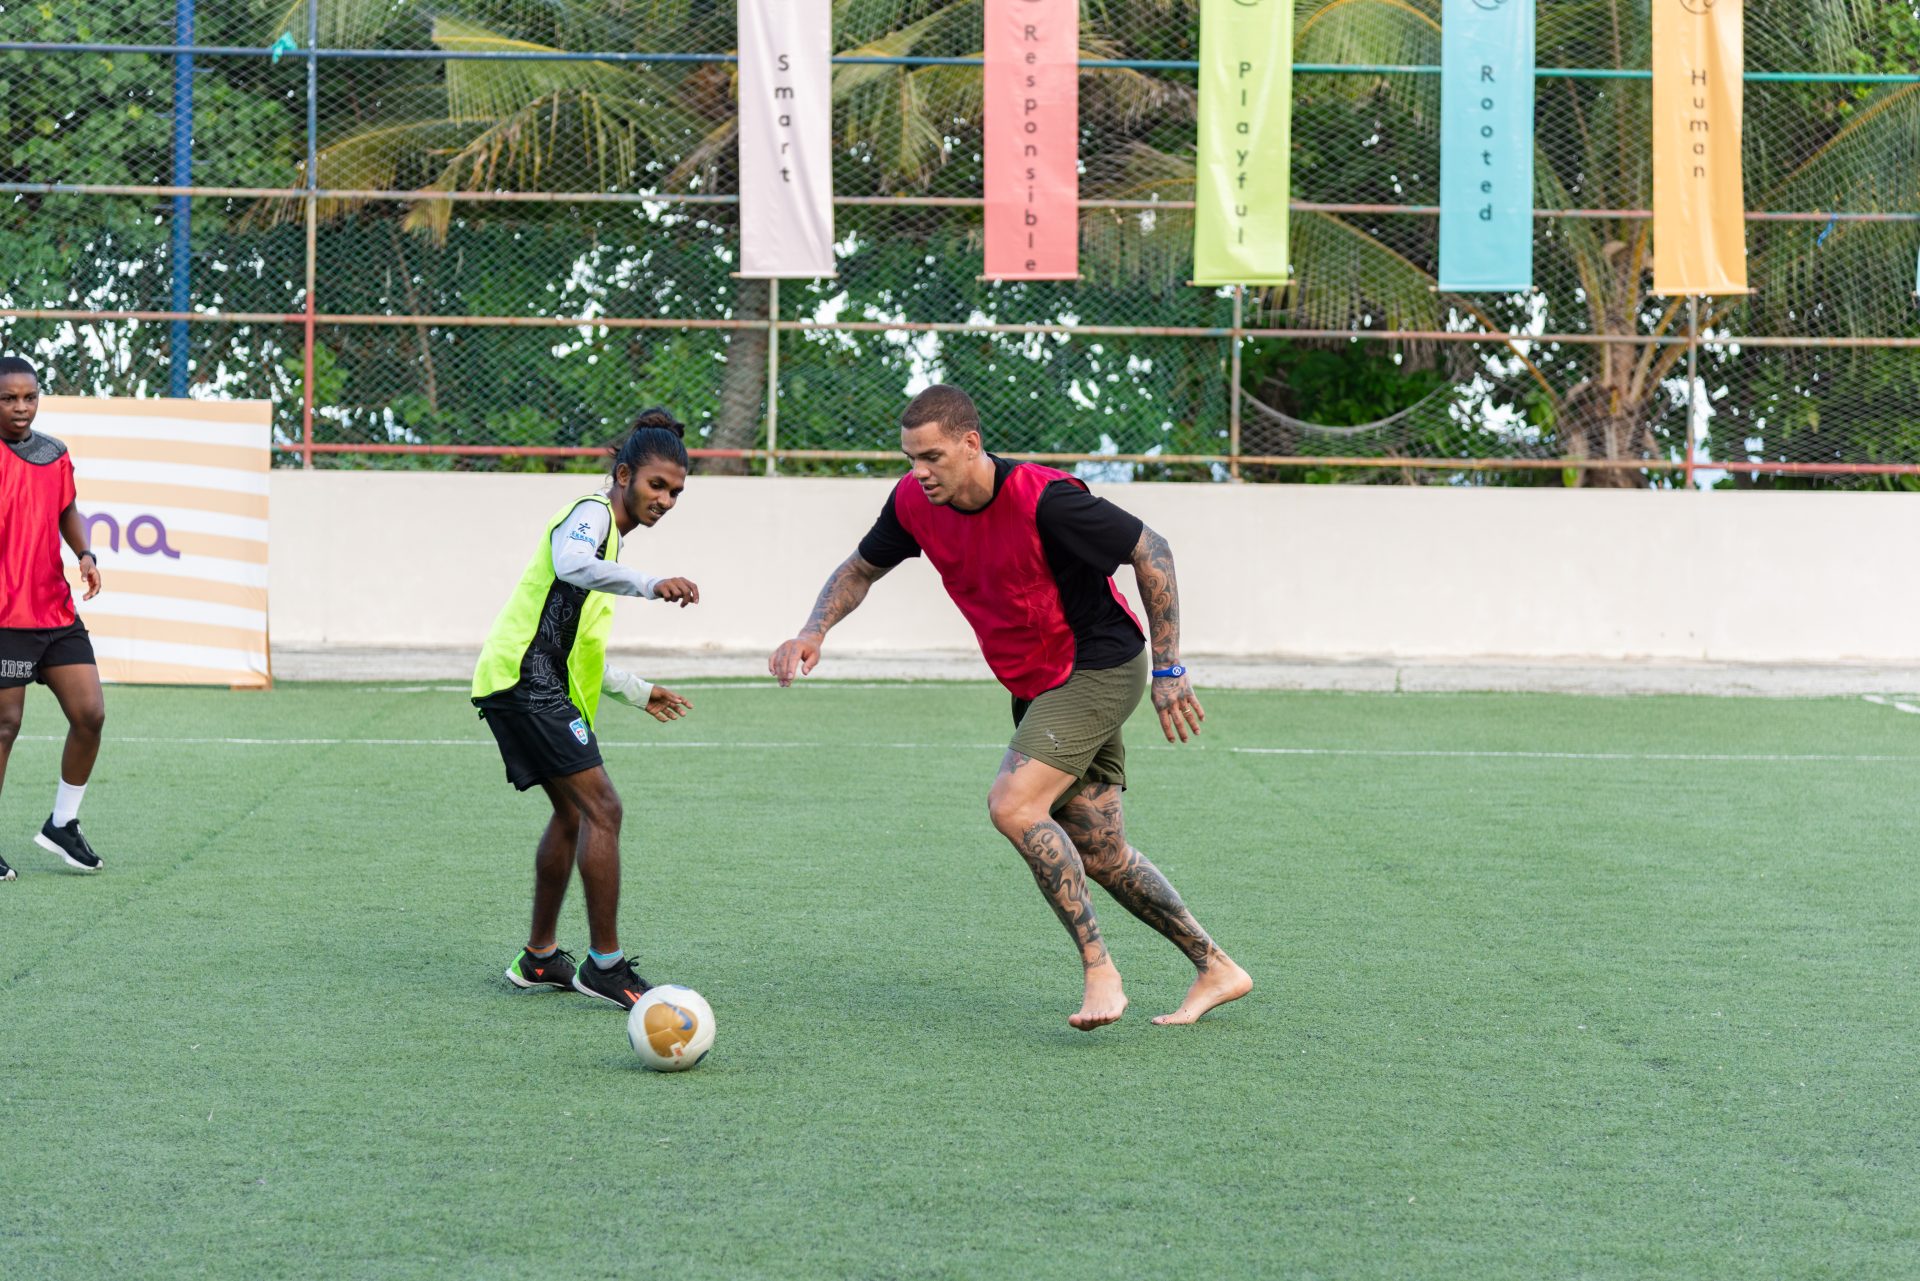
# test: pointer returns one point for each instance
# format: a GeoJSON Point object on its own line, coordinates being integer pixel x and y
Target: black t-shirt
{"type": "Point", "coordinates": [1084, 538]}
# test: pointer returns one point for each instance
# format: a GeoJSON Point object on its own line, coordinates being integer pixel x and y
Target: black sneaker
{"type": "Point", "coordinates": [68, 844]}
{"type": "Point", "coordinates": [620, 985]}
{"type": "Point", "coordinates": [554, 971]}
{"type": "Point", "coordinates": [6, 873]}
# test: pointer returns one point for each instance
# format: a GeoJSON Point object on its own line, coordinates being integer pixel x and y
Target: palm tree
{"type": "Point", "coordinates": [479, 126]}
{"type": "Point", "coordinates": [1609, 401]}
{"type": "Point", "coordinates": [529, 126]}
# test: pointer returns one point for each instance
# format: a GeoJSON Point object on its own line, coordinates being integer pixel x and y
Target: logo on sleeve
{"type": "Point", "coordinates": [579, 728]}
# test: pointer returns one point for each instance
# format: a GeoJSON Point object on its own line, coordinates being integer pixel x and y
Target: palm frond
{"type": "Point", "coordinates": [1141, 172]}
{"type": "Point", "coordinates": [850, 78]}
{"type": "Point", "coordinates": [1122, 97]}
{"type": "Point", "coordinates": [498, 89]}
{"type": "Point", "coordinates": [1347, 278]}
{"type": "Point", "coordinates": [1372, 33]}
{"type": "Point", "coordinates": [344, 24]}
{"type": "Point", "coordinates": [901, 116]}
{"type": "Point", "coordinates": [1150, 248]}
{"type": "Point", "coordinates": [389, 158]}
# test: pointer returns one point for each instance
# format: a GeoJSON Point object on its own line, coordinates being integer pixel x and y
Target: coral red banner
{"type": "Point", "coordinates": [1032, 108]}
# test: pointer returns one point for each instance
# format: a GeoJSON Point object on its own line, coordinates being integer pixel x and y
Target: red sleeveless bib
{"type": "Point", "coordinates": [997, 573]}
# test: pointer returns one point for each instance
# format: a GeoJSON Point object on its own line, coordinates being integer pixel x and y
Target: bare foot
{"type": "Point", "coordinates": [1105, 1001]}
{"type": "Point", "coordinates": [1220, 982]}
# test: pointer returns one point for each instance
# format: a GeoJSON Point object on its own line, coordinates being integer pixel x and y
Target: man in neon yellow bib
{"type": "Point", "coordinates": [538, 686]}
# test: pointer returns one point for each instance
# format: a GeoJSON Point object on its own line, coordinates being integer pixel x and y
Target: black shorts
{"type": "Point", "coordinates": [27, 652]}
{"type": "Point", "coordinates": [541, 745]}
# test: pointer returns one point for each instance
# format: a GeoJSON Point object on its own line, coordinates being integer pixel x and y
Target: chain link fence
{"type": "Point", "coordinates": [482, 233]}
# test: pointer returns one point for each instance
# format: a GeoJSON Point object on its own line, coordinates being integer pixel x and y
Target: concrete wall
{"type": "Point", "coordinates": [396, 558]}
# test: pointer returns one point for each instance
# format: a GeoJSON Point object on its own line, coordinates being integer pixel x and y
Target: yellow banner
{"type": "Point", "coordinates": [1699, 201]}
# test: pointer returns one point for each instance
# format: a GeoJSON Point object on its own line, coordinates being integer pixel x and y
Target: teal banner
{"type": "Point", "coordinates": [1486, 145]}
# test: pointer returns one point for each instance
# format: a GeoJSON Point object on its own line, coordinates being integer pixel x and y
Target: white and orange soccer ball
{"type": "Point", "coordinates": [671, 1028]}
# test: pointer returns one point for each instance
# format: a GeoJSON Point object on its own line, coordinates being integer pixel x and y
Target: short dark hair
{"type": "Point", "coordinates": [15, 365]}
{"type": "Point", "coordinates": [945, 407]}
{"type": "Point", "coordinates": [656, 436]}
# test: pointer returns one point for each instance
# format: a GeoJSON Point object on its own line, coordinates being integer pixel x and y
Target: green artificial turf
{"type": "Point", "coordinates": [1547, 987]}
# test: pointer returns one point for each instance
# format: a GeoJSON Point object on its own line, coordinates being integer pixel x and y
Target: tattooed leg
{"type": "Point", "coordinates": [1019, 804]}
{"type": "Point", "coordinates": [1057, 871]}
{"type": "Point", "coordinates": [1093, 820]}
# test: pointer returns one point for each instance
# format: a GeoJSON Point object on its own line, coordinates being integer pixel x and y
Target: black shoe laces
{"type": "Point", "coordinates": [621, 975]}
{"type": "Point", "coordinates": [73, 839]}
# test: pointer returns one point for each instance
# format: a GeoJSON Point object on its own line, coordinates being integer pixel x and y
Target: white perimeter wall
{"type": "Point", "coordinates": [405, 559]}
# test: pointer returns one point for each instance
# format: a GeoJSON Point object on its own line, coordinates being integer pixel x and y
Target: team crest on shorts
{"type": "Point", "coordinates": [579, 728]}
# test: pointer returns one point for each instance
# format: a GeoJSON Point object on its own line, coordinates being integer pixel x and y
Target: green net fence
{"type": "Point", "coordinates": [493, 261]}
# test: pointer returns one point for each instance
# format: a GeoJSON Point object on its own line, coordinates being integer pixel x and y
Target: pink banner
{"type": "Point", "coordinates": [1033, 139]}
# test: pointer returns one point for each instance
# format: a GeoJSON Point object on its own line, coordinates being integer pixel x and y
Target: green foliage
{"type": "Point", "coordinates": [546, 127]}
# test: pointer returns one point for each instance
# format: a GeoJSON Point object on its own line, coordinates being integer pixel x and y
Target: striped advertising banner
{"type": "Point", "coordinates": [174, 495]}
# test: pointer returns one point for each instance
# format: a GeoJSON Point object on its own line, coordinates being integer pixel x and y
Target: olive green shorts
{"type": "Point", "coordinates": [1075, 727]}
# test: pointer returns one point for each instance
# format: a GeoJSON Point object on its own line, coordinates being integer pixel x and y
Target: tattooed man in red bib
{"type": "Point", "coordinates": [1028, 556]}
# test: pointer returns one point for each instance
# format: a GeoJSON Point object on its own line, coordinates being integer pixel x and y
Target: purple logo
{"type": "Point", "coordinates": [146, 534]}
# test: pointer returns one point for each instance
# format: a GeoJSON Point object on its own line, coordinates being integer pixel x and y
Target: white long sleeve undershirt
{"type": "Point", "coordinates": [576, 554]}
{"type": "Point", "coordinates": [576, 560]}
{"type": "Point", "coordinates": [625, 686]}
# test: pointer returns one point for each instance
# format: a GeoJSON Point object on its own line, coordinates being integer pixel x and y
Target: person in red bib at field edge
{"type": "Point", "coordinates": [1028, 555]}
{"type": "Point", "coordinates": [41, 638]}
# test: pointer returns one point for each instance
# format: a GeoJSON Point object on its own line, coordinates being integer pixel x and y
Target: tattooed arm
{"type": "Point", "coordinates": [845, 589]}
{"type": "Point", "coordinates": [1180, 711]}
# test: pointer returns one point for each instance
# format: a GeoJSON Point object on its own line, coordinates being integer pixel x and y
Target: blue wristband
{"type": "Point", "coordinates": [1175, 670]}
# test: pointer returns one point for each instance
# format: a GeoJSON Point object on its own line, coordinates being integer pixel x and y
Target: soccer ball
{"type": "Point", "coordinates": [671, 1028]}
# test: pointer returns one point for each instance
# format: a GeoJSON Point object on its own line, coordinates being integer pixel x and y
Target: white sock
{"type": "Point", "coordinates": [66, 803]}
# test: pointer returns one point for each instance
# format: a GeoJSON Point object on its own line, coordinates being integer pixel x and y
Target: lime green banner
{"type": "Point", "coordinates": [1246, 134]}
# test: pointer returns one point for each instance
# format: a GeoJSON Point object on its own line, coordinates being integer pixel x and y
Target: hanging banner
{"type": "Point", "coordinates": [1699, 200]}
{"type": "Point", "coordinates": [1246, 147]}
{"type": "Point", "coordinates": [173, 494]}
{"type": "Point", "coordinates": [786, 138]}
{"type": "Point", "coordinates": [1032, 109]}
{"type": "Point", "coordinates": [1486, 145]}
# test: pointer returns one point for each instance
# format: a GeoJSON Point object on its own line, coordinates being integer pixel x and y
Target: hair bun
{"type": "Point", "coordinates": [661, 420]}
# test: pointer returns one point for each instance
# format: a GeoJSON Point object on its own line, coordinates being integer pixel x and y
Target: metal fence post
{"type": "Point", "coordinates": [179, 350]}
{"type": "Point", "coordinates": [1693, 382]}
{"type": "Point", "coordinates": [313, 224]}
{"type": "Point", "coordinates": [1233, 411]}
{"type": "Point", "coordinates": [773, 376]}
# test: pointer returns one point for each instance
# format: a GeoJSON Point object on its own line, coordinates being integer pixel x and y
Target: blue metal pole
{"type": "Point", "coordinates": [178, 374]}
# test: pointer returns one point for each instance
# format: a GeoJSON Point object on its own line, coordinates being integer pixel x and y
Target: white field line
{"type": "Point", "coordinates": [663, 744]}
{"type": "Point", "coordinates": [1560, 756]}
{"type": "Point", "coordinates": [787, 746]}
{"type": "Point", "coordinates": [763, 683]}
{"type": "Point", "coordinates": [1895, 704]}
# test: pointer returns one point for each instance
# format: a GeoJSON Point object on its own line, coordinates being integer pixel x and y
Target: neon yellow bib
{"type": "Point", "coordinates": [518, 620]}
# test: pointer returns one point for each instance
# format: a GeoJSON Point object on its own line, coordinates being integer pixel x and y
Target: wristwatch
{"type": "Point", "coordinates": [1175, 670]}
